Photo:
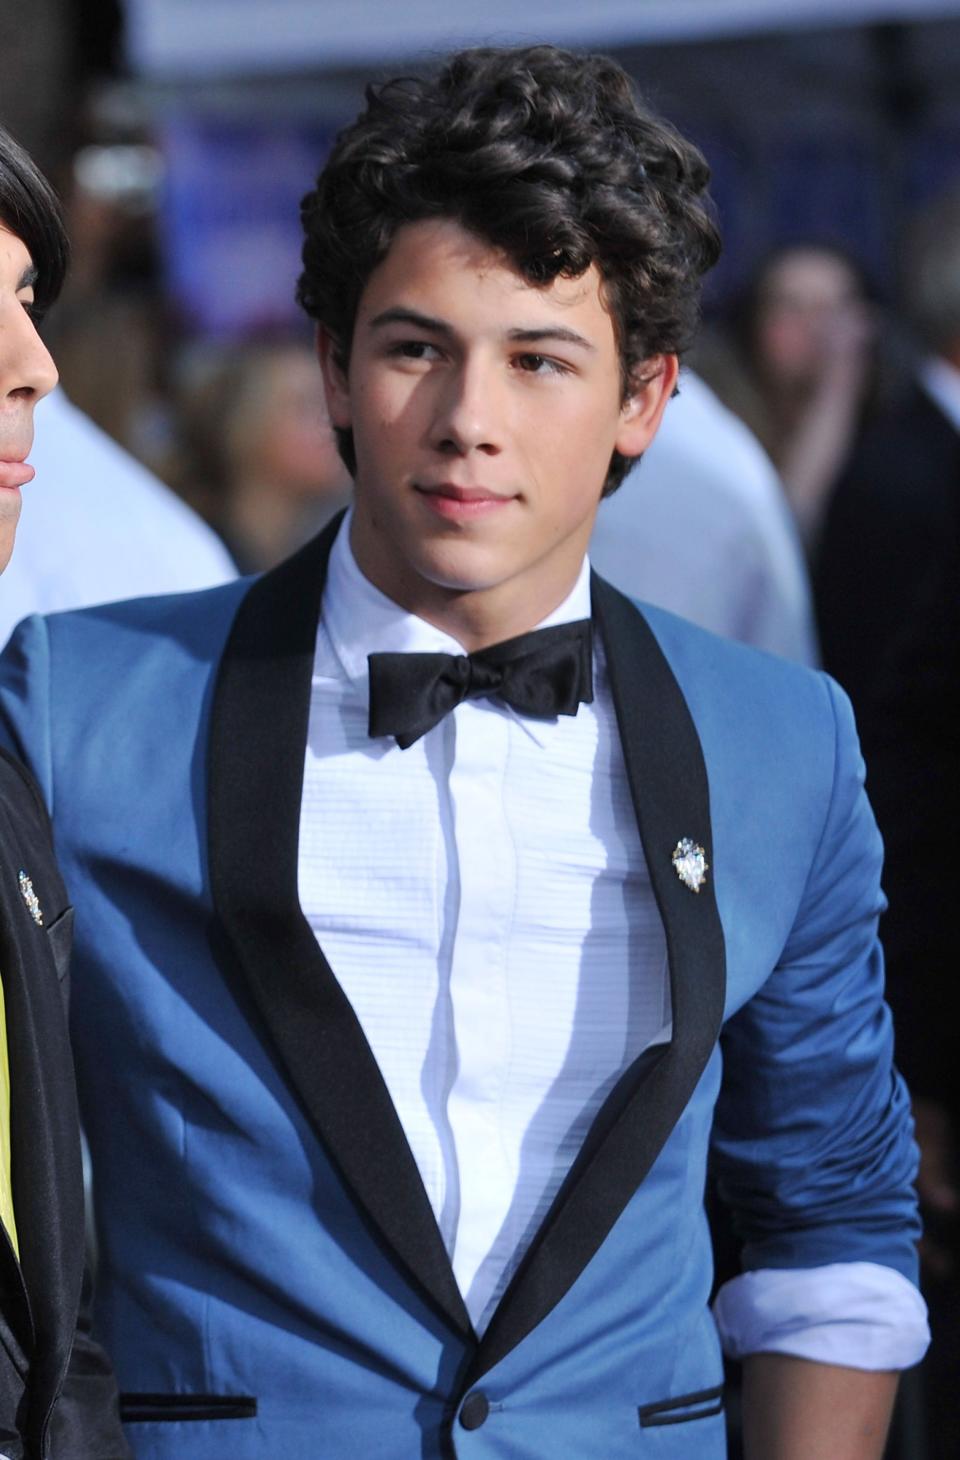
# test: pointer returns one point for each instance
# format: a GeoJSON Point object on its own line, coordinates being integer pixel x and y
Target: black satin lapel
{"type": "Point", "coordinates": [668, 784]}
{"type": "Point", "coordinates": [257, 746]}
{"type": "Point", "coordinates": [44, 1122]}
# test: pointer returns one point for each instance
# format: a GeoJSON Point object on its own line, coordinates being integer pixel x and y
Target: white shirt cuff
{"type": "Point", "coordinates": [858, 1314]}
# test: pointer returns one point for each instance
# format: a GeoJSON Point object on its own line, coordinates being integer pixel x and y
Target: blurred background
{"type": "Point", "coordinates": [804, 494]}
{"type": "Point", "coordinates": [183, 133]}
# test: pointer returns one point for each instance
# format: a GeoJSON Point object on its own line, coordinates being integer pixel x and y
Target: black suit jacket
{"type": "Point", "coordinates": [888, 603]}
{"type": "Point", "coordinates": [57, 1393]}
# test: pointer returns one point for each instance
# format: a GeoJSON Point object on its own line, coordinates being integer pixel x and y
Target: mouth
{"type": "Point", "coordinates": [456, 503]}
{"type": "Point", "coordinates": [15, 473]}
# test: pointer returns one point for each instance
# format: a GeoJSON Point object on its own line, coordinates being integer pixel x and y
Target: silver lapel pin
{"type": "Point", "coordinates": [690, 863]}
{"type": "Point", "coordinates": [30, 898]}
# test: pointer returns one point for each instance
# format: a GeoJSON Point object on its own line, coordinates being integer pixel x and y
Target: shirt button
{"type": "Point", "coordinates": [474, 1410]}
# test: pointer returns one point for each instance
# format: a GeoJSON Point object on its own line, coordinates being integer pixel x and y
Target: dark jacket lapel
{"type": "Point", "coordinates": [44, 1123]}
{"type": "Point", "coordinates": [257, 747]}
{"type": "Point", "coordinates": [668, 784]}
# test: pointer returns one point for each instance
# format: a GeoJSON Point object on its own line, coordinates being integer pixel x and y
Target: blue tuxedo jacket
{"type": "Point", "coordinates": [272, 1280]}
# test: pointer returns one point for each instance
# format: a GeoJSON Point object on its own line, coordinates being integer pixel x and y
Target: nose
{"type": "Point", "coordinates": [467, 412]}
{"type": "Point", "coordinates": [27, 371]}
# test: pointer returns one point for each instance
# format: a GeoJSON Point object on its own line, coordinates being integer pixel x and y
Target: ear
{"type": "Point", "coordinates": [336, 387]}
{"type": "Point", "coordinates": [640, 416]}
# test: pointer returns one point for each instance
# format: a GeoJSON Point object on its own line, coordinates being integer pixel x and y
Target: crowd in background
{"type": "Point", "coordinates": [235, 426]}
{"type": "Point", "coordinates": [849, 503]}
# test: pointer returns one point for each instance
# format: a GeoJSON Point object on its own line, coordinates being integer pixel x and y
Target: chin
{"type": "Point", "coordinates": [10, 507]}
{"type": "Point", "coordinates": [462, 568]}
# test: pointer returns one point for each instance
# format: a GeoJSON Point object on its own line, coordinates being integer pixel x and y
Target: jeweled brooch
{"type": "Point", "coordinates": [30, 898]}
{"type": "Point", "coordinates": [690, 863]}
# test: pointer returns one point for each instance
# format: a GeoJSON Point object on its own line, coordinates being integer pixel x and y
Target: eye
{"type": "Point", "coordinates": [414, 350]}
{"type": "Point", "coordinates": [532, 364]}
{"type": "Point", "coordinates": [30, 308]}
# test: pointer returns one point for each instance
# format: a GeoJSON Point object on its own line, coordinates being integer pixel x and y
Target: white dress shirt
{"type": "Point", "coordinates": [487, 909]}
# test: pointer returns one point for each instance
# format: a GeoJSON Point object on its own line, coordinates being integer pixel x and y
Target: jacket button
{"type": "Point", "coordinates": [474, 1410]}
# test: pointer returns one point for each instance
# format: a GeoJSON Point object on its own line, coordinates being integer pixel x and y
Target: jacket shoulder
{"type": "Point", "coordinates": [108, 649]}
{"type": "Point", "coordinates": [763, 721]}
{"type": "Point", "coordinates": [18, 789]}
{"type": "Point", "coordinates": [189, 618]}
{"type": "Point", "coordinates": [727, 667]}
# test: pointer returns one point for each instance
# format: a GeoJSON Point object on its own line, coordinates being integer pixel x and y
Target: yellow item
{"type": "Point", "coordinates": [6, 1184]}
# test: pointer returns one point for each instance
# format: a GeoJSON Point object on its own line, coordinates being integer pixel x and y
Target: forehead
{"type": "Point", "coordinates": [438, 267]}
{"type": "Point", "coordinates": [13, 251]}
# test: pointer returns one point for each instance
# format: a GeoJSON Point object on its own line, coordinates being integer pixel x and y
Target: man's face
{"type": "Point", "coordinates": [484, 413]}
{"type": "Point", "coordinates": [27, 373]}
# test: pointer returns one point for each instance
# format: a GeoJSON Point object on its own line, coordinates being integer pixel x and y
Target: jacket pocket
{"type": "Point", "coordinates": [703, 1404]}
{"type": "Point", "coordinates": [60, 939]}
{"type": "Point", "coordinates": [155, 1408]}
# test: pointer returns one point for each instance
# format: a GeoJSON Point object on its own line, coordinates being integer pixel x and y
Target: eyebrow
{"type": "Point", "coordinates": [28, 278]}
{"type": "Point", "coordinates": [412, 317]}
{"type": "Point", "coordinates": [552, 332]}
{"type": "Point", "coordinates": [519, 336]}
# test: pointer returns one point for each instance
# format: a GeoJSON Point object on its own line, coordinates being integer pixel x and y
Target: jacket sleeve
{"type": "Point", "coordinates": [813, 1145]}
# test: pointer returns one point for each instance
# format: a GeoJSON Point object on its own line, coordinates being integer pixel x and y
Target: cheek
{"type": "Point", "coordinates": [574, 448]}
{"type": "Point", "coordinates": [384, 413]}
{"type": "Point", "coordinates": [563, 483]}
{"type": "Point", "coordinates": [337, 400]}
{"type": "Point", "coordinates": [385, 440]}
{"type": "Point", "coordinates": [9, 516]}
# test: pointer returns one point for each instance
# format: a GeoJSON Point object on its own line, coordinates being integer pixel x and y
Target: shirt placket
{"type": "Point", "coordinates": [478, 984]}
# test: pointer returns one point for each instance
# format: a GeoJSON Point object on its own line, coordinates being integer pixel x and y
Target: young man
{"type": "Point", "coordinates": [422, 876]}
{"type": "Point", "coordinates": [57, 1395]}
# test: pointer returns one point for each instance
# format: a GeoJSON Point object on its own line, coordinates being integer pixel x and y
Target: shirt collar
{"type": "Point", "coordinates": [360, 620]}
{"type": "Point", "coordinates": [941, 381]}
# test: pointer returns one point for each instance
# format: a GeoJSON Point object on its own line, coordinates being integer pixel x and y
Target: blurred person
{"type": "Point", "coordinates": [703, 530]}
{"type": "Point", "coordinates": [101, 526]}
{"type": "Point", "coordinates": [442, 1194]}
{"type": "Point", "coordinates": [57, 1393]}
{"type": "Point", "coordinates": [801, 370]}
{"type": "Point", "coordinates": [888, 602]}
{"type": "Point", "coordinates": [112, 327]}
{"type": "Point", "coordinates": [261, 460]}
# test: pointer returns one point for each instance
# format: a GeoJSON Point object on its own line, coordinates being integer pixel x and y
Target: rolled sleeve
{"type": "Point", "coordinates": [857, 1314]}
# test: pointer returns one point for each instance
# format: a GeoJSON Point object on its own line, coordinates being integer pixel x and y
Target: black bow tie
{"type": "Point", "coordinates": [545, 673]}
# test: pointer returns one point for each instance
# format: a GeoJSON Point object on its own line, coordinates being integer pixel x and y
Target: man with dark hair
{"type": "Point", "coordinates": [425, 878]}
{"type": "Point", "coordinates": [57, 1395]}
{"type": "Point", "coordinates": [553, 163]}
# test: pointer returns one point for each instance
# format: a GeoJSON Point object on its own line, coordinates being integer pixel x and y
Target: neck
{"type": "Point", "coordinates": [475, 616]}
{"type": "Point", "coordinates": [478, 619]}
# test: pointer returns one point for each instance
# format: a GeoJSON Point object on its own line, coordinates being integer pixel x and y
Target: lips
{"type": "Point", "coordinates": [462, 494]}
{"type": "Point", "coordinates": [15, 473]}
{"type": "Point", "coordinates": [462, 504]}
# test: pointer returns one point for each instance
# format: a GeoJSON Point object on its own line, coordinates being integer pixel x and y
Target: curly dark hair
{"type": "Point", "coordinates": [29, 208]}
{"type": "Point", "coordinates": [548, 156]}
